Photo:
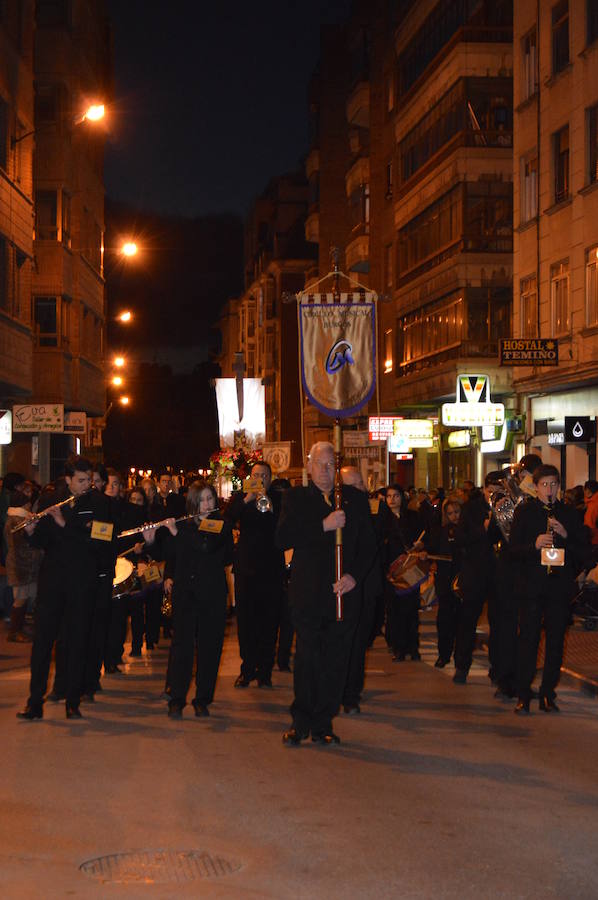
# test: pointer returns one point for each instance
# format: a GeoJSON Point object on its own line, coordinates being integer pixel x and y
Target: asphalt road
{"type": "Point", "coordinates": [437, 791]}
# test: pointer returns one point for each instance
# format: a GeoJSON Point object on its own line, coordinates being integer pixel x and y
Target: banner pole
{"type": "Point", "coordinates": [338, 504]}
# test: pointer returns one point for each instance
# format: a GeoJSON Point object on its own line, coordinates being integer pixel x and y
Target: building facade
{"type": "Point", "coordinates": [556, 224]}
{"type": "Point", "coordinates": [54, 157]}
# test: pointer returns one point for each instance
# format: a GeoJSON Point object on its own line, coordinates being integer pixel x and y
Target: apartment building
{"type": "Point", "coordinates": [259, 328]}
{"type": "Point", "coordinates": [556, 224]}
{"type": "Point", "coordinates": [16, 216]}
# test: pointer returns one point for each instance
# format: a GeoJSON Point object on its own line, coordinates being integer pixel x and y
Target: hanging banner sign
{"type": "Point", "coordinates": [5, 426]}
{"type": "Point", "coordinates": [473, 408]}
{"type": "Point", "coordinates": [381, 427]}
{"type": "Point", "coordinates": [42, 417]}
{"type": "Point", "coordinates": [277, 455]}
{"type": "Point", "coordinates": [338, 351]}
{"type": "Point", "coordinates": [252, 426]}
{"type": "Point", "coordinates": [528, 352]}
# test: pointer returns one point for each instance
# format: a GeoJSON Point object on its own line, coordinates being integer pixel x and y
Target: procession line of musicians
{"type": "Point", "coordinates": [525, 573]}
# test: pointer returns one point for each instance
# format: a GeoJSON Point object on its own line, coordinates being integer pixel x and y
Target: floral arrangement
{"type": "Point", "coordinates": [234, 464]}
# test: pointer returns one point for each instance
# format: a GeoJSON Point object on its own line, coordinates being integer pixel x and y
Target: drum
{"type": "Point", "coordinates": [124, 578]}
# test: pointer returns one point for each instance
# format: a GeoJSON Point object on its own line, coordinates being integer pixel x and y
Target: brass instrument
{"type": "Point", "coordinates": [150, 526]}
{"type": "Point", "coordinates": [263, 503]}
{"type": "Point", "coordinates": [505, 500]}
{"type": "Point", "coordinates": [35, 517]}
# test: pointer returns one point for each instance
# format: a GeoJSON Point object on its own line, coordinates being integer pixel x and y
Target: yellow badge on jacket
{"type": "Point", "coordinates": [215, 526]}
{"type": "Point", "coordinates": [102, 531]}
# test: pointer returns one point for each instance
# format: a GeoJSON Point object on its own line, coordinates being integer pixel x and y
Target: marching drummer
{"type": "Point", "coordinates": [197, 554]}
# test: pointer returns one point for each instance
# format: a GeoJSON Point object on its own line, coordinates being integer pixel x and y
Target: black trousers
{"type": "Point", "coordinates": [152, 598]}
{"type": "Point", "coordinates": [402, 622]}
{"type": "Point", "coordinates": [63, 601]}
{"type": "Point", "coordinates": [447, 618]}
{"type": "Point", "coordinates": [551, 610]}
{"type": "Point", "coordinates": [135, 610]}
{"type": "Point", "coordinates": [100, 624]}
{"type": "Point", "coordinates": [322, 651]}
{"type": "Point", "coordinates": [506, 622]}
{"type": "Point", "coordinates": [117, 631]}
{"type": "Point", "coordinates": [286, 632]}
{"type": "Point", "coordinates": [258, 600]}
{"type": "Point", "coordinates": [198, 628]}
{"type": "Point", "coordinates": [361, 641]}
{"type": "Point", "coordinates": [475, 593]}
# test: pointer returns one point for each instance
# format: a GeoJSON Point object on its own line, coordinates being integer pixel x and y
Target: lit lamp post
{"type": "Point", "coordinates": [93, 113]}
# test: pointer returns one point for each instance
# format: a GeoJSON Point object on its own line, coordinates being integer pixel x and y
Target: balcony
{"type": "Point", "coordinates": [462, 350]}
{"type": "Point", "coordinates": [358, 174]}
{"type": "Point", "coordinates": [312, 225]}
{"type": "Point", "coordinates": [312, 163]}
{"type": "Point", "coordinates": [358, 105]}
{"type": "Point", "coordinates": [357, 253]}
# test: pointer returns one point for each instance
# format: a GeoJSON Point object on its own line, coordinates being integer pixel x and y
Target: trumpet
{"type": "Point", "coordinates": [150, 526]}
{"type": "Point", "coordinates": [35, 517]}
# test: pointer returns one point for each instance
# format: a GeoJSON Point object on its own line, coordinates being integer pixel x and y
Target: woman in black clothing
{"type": "Point", "coordinates": [196, 557]}
{"type": "Point", "coordinates": [442, 541]}
{"type": "Point", "coordinates": [402, 610]}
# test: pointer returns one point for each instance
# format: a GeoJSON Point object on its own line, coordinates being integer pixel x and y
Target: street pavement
{"type": "Point", "coordinates": [437, 791]}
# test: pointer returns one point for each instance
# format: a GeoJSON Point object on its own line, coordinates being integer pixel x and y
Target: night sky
{"type": "Point", "coordinates": [210, 99]}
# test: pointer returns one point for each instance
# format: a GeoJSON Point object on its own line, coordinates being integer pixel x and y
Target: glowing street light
{"type": "Point", "coordinates": [125, 316]}
{"type": "Point", "coordinates": [117, 381]}
{"type": "Point", "coordinates": [124, 401]}
{"type": "Point", "coordinates": [119, 362]}
{"type": "Point", "coordinates": [94, 113]}
{"type": "Point", "coordinates": [129, 248]}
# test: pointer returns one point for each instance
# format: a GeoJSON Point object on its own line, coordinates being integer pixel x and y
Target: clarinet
{"type": "Point", "coordinates": [550, 531]}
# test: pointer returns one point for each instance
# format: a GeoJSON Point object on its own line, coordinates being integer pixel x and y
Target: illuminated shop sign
{"type": "Point", "coordinates": [473, 408]}
{"type": "Point", "coordinates": [528, 352]}
{"type": "Point", "coordinates": [456, 440]}
{"type": "Point", "coordinates": [381, 427]}
{"type": "Point", "coordinates": [417, 433]}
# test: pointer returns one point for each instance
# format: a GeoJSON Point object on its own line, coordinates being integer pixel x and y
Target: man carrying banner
{"type": "Point", "coordinates": [307, 524]}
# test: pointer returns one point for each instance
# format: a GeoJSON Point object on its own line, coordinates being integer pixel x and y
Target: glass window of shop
{"type": "Point", "coordinates": [560, 36]}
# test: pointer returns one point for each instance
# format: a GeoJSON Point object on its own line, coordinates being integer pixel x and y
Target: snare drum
{"type": "Point", "coordinates": [124, 578]}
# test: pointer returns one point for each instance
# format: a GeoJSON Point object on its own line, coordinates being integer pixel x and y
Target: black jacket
{"type": "Point", "coordinates": [196, 560]}
{"type": "Point", "coordinates": [529, 521]}
{"type": "Point", "coordinates": [313, 565]}
{"type": "Point", "coordinates": [256, 553]}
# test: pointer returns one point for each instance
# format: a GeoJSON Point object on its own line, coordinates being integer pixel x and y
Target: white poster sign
{"type": "Point", "coordinates": [5, 426]}
{"type": "Point", "coordinates": [40, 417]}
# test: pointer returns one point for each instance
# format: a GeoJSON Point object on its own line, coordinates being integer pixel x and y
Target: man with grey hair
{"type": "Point", "coordinates": [308, 523]}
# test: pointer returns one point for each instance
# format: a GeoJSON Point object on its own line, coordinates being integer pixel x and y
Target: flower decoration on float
{"type": "Point", "coordinates": [234, 463]}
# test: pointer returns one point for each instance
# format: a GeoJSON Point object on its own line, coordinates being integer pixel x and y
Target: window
{"type": "Point", "coordinates": [529, 188]}
{"type": "Point", "coordinates": [592, 21]}
{"type": "Point", "coordinates": [591, 286]}
{"type": "Point", "coordinates": [388, 284]}
{"type": "Point", "coordinates": [388, 351]}
{"type": "Point", "coordinates": [560, 36]}
{"type": "Point", "coordinates": [430, 330]}
{"type": "Point", "coordinates": [529, 307]}
{"type": "Point", "coordinates": [359, 202]}
{"type": "Point", "coordinates": [3, 133]}
{"type": "Point", "coordinates": [65, 322]}
{"type": "Point", "coordinates": [45, 318]}
{"type": "Point", "coordinates": [561, 164]}
{"type": "Point", "coordinates": [45, 216]}
{"type": "Point", "coordinates": [593, 144]}
{"type": "Point", "coordinates": [66, 219]}
{"type": "Point", "coordinates": [431, 236]}
{"type": "Point", "coordinates": [529, 74]}
{"type": "Point", "coordinates": [3, 273]}
{"type": "Point", "coordinates": [389, 168]}
{"type": "Point", "coordinates": [559, 295]}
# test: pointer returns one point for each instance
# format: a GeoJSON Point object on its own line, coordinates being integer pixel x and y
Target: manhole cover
{"type": "Point", "coordinates": [155, 866]}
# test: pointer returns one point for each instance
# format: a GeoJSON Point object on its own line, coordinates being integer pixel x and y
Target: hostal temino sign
{"type": "Point", "coordinates": [528, 352]}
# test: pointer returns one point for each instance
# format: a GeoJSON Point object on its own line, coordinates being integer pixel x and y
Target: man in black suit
{"type": "Point", "coordinates": [259, 573]}
{"type": "Point", "coordinates": [308, 523]}
{"type": "Point", "coordinates": [546, 589]}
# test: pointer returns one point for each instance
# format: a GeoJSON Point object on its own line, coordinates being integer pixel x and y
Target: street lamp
{"type": "Point", "coordinates": [124, 401]}
{"type": "Point", "coordinates": [117, 381]}
{"type": "Point", "coordinates": [125, 316]}
{"type": "Point", "coordinates": [129, 248]}
{"type": "Point", "coordinates": [93, 113]}
{"type": "Point", "coordinates": [119, 361]}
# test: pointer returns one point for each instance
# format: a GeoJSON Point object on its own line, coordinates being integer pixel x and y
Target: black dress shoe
{"type": "Point", "coordinates": [73, 712]}
{"type": "Point", "coordinates": [293, 737]}
{"type": "Point", "coordinates": [175, 711]}
{"type": "Point", "coordinates": [352, 709]}
{"type": "Point", "coordinates": [522, 708]}
{"type": "Point", "coordinates": [264, 682]}
{"type": "Point", "coordinates": [548, 705]}
{"type": "Point", "coordinates": [440, 663]}
{"type": "Point", "coordinates": [112, 670]}
{"type": "Point", "coordinates": [460, 676]}
{"type": "Point", "coordinates": [31, 712]}
{"type": "Point", "coordinates": [88, 698]}
{"type": "Point", "coordinates": [54, 697]}
{"type": "Point", "coordinates": [326, 738]}
{"type": "Point", "coordinates": [201, 711]}
{"type": "Point", "coordinates": [242, 681]}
